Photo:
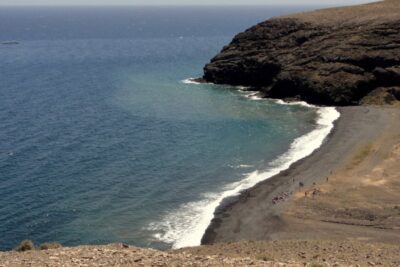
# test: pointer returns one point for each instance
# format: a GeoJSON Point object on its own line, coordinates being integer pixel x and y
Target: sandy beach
{"type": "Point", "coordinates": [344, 190]}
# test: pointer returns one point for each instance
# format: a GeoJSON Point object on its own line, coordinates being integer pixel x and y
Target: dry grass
{"type": "Point", "coordinates": [361, 155]}
{"type": "Point", "coordinates": [368, 13]}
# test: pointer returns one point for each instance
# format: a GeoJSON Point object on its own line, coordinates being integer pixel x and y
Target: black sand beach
{"type": "Point", "coordinates": [254, 216]}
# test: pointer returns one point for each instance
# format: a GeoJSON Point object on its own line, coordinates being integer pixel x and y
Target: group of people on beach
{"type": "Point", "coordinates": [281, 197]}
{"type": "Point", "coordinates": [285, 195]}
{"type": "Point", "coordinates": [313, 192]}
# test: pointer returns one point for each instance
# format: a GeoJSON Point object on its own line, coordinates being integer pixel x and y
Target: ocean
{"type": "Point", "coordinates": [103, 139]}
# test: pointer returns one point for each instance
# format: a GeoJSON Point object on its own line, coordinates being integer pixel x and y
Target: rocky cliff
{"type": "Point", "coordinates": [331, 57]}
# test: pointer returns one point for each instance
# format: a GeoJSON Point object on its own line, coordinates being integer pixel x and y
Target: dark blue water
{"type": "Point", "coordinates": [101, 142]}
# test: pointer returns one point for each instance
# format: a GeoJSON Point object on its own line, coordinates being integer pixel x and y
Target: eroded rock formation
{"type": "Point", "coordinates": [335, 63]}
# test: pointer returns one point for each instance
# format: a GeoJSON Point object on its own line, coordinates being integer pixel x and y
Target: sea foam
{"type": "Point", "coordinates": [185, 226]}
{"type": "Point", "coordinates": [190, 81]}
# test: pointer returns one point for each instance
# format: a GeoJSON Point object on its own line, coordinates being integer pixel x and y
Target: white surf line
{"type": "Point", "coordinates": [190, 81]}
{"type": "Point", "coordinates": [186, 226]}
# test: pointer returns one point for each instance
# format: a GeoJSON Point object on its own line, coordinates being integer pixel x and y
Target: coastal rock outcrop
{"type": "Point", "coordinates": [335, 63]}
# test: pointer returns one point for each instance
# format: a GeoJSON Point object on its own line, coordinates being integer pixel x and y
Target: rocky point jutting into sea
{"type": "Point", "coordinates": [331, 57]}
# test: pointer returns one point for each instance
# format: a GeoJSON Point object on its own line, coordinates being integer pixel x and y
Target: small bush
{"type": "Point", "coordinates": [264, 258]}
{"type": "Point", "coordinates": [25, 246]}
{"type": "Point", "coordinates": [315, 264]}
{"type": "Point", "coordinates": [46, 246]}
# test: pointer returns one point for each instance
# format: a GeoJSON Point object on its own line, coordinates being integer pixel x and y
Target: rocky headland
{"type": "Point", "coordinates": [339, 56]}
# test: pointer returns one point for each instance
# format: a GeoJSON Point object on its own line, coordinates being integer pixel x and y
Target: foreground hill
{"type": "Point", "coordinates": [267, 254]}
{"type": "Point", "coordinates": [334, 56]}
{"type": "Point", "coordinates": [123, 255]}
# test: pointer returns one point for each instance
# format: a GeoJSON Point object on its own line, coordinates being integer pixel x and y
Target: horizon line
{"type": "Point", "coordinates": [157, 5]}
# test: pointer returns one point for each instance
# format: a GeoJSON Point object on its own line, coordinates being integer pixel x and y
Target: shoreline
{"type": "Point", "coordinates": [299, 148]}
{"type": "Point", "coordinates": [297, 240]}
{"type": "Point", "coordinates": [253, 215]}
{"type": "Point", "coordinates": [345, 57]}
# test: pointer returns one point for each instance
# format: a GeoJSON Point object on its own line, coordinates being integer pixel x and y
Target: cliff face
{"type": "Point", "coordinates": [331, 57]}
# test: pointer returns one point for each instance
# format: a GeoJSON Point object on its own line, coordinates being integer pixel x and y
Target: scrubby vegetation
{"type": "Point", "coordinates": [29, 245]}
{"type": "Point", "coordinates": [53, 245]}
{"type": "Point", "coordinates": [25, 246]}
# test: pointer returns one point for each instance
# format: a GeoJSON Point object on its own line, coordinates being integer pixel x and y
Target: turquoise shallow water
{"type": "Point", "coordinates": [101, 142]}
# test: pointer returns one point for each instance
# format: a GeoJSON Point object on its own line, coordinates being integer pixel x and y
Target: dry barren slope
{"type": "Point", "coordinates": [249, 253]}
{"type": "Point", "coordinates": [374, 13]}
{"type": "Point", "coordinates": [123, 255]}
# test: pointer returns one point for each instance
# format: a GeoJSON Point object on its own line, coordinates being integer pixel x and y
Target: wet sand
{"type": "Point", "coordinates": [344, 207]}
